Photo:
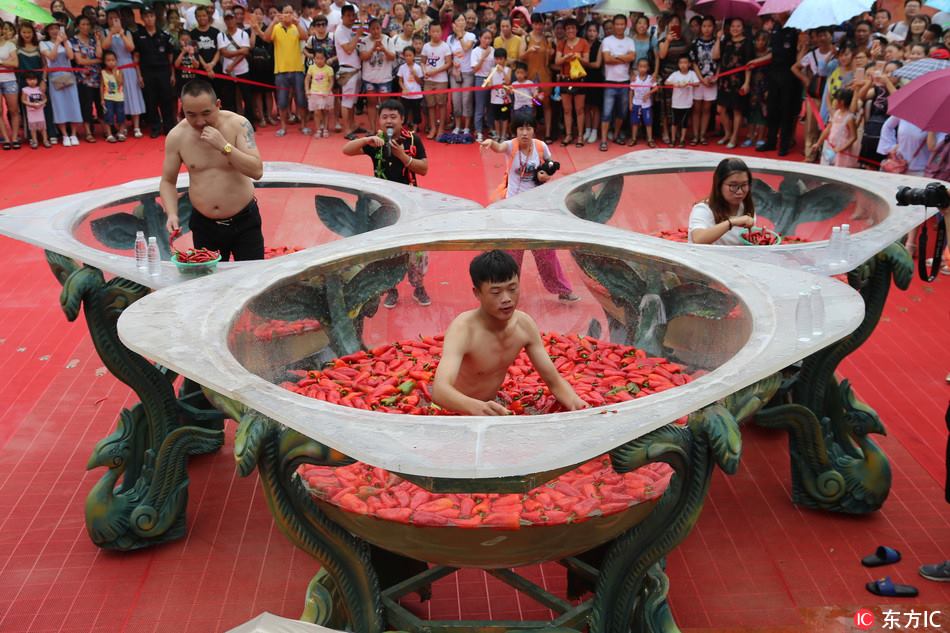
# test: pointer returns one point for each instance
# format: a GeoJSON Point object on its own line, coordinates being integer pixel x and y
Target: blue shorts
{"type": "Point", "coordinates": [641, 115]}
{"type": "Point", "coordinates": [615, 102]}
{"type": "Point", "coordinates": [114, 113]}
{"type": "Point", "coordinates": [383, 88]}
{"type": "Point", "coordinates": [9, 87]}
{"type": "Point", "coordinates": [287, 83]}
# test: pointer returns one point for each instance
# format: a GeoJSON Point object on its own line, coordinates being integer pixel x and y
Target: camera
{"type": "Point", "coordinates": [549, 167]}
{"type": "Point", "coordinates": [933, 195]}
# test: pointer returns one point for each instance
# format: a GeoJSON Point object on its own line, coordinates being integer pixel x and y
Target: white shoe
{"type": "Point", "coordinates": [466, 132]}
{"type": "Point", "coordinates": [479, 138]}
{"type": "Point", "coordinates": [592, 137]}
{"type": "Point", "coordinates": [67, 141]}
{"type": "Point", "coordinates": [74, 140]}
{"type": "Point", "coordinates": [457, 130]}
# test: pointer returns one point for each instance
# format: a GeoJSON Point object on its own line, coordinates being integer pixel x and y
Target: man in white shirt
{"type": "Point", "coordinates": [911, 10]}
{"type": "Point", "coordinates": [346, 41]}
{"type": "Point", "coordinates": [234, 45]}
{"type": "Point", "coordinates": [618, 52]}
{"type": "Point", "coordinates": [436, 61]}
{"type": "Point", "coordinates": [334, 16]}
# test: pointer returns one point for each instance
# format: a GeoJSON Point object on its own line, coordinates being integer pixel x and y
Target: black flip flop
{"type": "Point", "coordinates": [883, 555]}
{"type": "Point", "coordinates": [887, 589]}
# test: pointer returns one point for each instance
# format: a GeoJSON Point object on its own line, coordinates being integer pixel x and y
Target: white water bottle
{"type": "Point", "coordinates": [834, 247]}
{"type": "Point", "coordinates": [154, 258]}
{"type": "Point", "coordinates": [141, 251]}
{"type": "Point", "coordinates": [817, 311]}
{"type": "Point", "coordinates": [843, 246]}
{"type": "Point", "coordinates": [803, 316]}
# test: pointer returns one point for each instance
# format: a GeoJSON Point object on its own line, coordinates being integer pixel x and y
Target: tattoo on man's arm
{"type": "Point", "coordinates": [249, 135]}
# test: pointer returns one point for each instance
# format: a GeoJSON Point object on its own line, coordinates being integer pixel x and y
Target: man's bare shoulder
{"type": "Point", "coordinates": [174, 137]}
{"type": "Point", "coordinates": [525, 324]}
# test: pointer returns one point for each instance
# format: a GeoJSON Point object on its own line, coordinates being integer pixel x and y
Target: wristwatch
{"type": "Point", "coordinates": [226, 150]}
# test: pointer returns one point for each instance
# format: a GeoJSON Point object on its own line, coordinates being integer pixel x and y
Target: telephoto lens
{"type": "Point", "coordinates": [933, 195]}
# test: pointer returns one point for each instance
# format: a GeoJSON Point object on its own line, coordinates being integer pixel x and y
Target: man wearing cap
{"type": "Point", "coordinates": [154, 51]}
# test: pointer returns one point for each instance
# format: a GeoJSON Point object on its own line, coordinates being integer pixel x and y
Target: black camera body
{"type": "Point", "coordinates": [549, 167]}
{"type": "Point", "coordinates": [933, 195]}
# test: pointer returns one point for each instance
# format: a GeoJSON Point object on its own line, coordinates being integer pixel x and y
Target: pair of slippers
{"type": "Point", "coordinates": [884, 587]}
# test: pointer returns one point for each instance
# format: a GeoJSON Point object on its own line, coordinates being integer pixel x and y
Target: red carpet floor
{"type": "Point", "coordinates": [754, 563]}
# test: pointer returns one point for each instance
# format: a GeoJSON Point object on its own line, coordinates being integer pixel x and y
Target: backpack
{"type": "Point", "coordinates": [262, 59]}
{"type": "Point", "coordinates": [502, 191]}
{"type": "Point", "coordinates": [939, 164]}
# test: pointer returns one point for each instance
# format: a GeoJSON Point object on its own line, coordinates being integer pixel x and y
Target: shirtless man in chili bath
{"type": "Point", "coordinates": [481, 344]}
{"type": "Point", "coordinates": [220, 152]}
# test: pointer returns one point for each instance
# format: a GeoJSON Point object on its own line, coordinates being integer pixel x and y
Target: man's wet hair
{"type": "Point", "coordinates": [494, 267]}
{"type": "Point", "coordinates": [198, 87]}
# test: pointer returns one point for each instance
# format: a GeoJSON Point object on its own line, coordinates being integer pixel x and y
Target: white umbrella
{"type": "Point", "coordinates": [270, 623]}
{"type": "Point", "coordinates": [812, 14]}
{"type": "Point", "coordinates": [625, 7]}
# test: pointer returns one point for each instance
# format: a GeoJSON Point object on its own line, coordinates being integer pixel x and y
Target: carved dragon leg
{"type": "Point", "coordinates": [631, 587]}
{"type": "Point", "coordinates": [141, 500]}
{"type": "Point", "coordinates": [833, 436]}
{"type": "Point", "coordinates": [346, 593]}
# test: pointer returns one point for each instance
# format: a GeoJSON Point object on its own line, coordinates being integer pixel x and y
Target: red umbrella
{"type": "Point", "coordinates": [745, 9]}
{"type": "Point", "coordinates": [925, 102]}
{"type": "Point", "coordinates": [779, 6]}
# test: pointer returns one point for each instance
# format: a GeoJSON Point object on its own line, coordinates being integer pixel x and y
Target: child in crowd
{"type": "Point", "coordinates": [498, 79]}
{"type": "Point", "coordinates": [482, 57]}
{"type": "Point", "coordinates": [437, 60]}
{"type": "Point", "coordinates": [642, 88]}
{"type": "Point", "coordinates": [410, 80]}
{"type": "Point", "coordinates": [683, 82]}
{"type": "Point", "coordinates": [319, 87]}
{"type": "Point", "coordinates": [186, 63]}
{"type": "Point", "coordinates": [522, 92]}
{"type": "Point", "coordinates": [916, 52]}
{"type": "Point", "coordinates": [838, 138]}
{"type": "Point", "coordinates": [758, 94]}
{"type": "Point", "coordinates": [112, 91]}
{"type": "Point", "coordinates": [33, 97]}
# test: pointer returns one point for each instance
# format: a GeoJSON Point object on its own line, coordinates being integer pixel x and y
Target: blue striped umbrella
{"type": "Point", "coordinates": [548, 6]}
{"type": "Point", "coordinates": [913, 70]}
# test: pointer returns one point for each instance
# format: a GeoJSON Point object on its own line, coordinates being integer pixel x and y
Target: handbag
{"type": "Point", "coordinates": [577, 69]}
{"type": "Point", "coordinates": [895, 163]}
{"type": "Point", "coordinates": [63, 81]}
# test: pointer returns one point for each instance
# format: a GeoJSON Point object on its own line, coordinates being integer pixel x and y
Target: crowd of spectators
{"type": "Point", "coordinates": [678, 78]}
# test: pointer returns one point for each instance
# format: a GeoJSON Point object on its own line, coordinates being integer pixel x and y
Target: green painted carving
{"type": "Point", "coordinates": [631, 587]}
{"type": "Point", "coordinates": [347, 592]}
{"type": "Point", "coordinates": [370, 213]}
{"type": "Point", "coordinates": [796, 202]}
{"type": "Point", "coordinates": [340, 300]}
{"type": "Point", "coordinates": [597, 201]}
{"type": "Point", "coordinates": [141, 499]}
{"type": "Point", "coordinates": [118, 230]}
{"type": "Point", "coordinates": [836, 466]}
{"type": "Point", "coordinates": [650, 300]}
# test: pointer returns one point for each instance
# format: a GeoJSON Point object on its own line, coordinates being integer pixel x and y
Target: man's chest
{"type": "Point", "coordinates": [198, 155]}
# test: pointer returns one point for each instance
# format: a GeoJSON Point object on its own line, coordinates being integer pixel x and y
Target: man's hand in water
{"type": "Point", "coordinates": [489, 407]}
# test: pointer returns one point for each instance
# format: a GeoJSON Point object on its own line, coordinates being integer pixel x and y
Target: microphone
{"type": "Point", "coordinates": [387, 150]}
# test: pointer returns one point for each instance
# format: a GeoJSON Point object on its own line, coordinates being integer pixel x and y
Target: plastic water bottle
{"type": "Point", "coordinates": [843, 246]}
{"type": "Point", "coordinates": [154, 258]}
{"type": "Point", "coordinates": [834, 247]}
{"type": "Point", "coordinates": [141, 251]}
{"type": "Point", "coordinates": [817, 311]}
{"type": "Point", "coordinates": [803, 317]}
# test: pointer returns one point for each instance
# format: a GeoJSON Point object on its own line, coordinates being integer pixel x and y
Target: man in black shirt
{"type": "Point", "coordinates": [400, 159]}
{"type": "Point", "coordinates": [155, 52]}
{"type": "Point", "coordinates": [785, 91]}
{"type": "Point", "coordinates": [205, 38]}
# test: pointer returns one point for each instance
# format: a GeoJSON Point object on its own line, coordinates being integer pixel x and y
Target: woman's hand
{"type": "Point", "coordinates": [742, 221]}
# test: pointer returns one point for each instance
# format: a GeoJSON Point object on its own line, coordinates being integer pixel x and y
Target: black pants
{"type": "Point", "coordinates": [87, 97]}
{"type": "Point", "coordinates": [784, 105]}
{"type": "Point", "coordinates": [229, 93]}
{"type": "Point", "coordinates": [160, 110]}
{"type": "Point", "coordinates": [240, 235]}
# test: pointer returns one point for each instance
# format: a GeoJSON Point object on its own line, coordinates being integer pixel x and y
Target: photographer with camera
{"type": "Point", "coordinates": [529, 165]}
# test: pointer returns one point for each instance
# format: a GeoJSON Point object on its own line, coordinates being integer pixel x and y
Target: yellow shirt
{"type": "Point", "coordinates": [321, 79]}
{"type": "Point", "coordinates": [287, 55]}
{"type": "Point", "coordinates": [113, 91]}
{"type": "Point", "coordinates": [514, 45]}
